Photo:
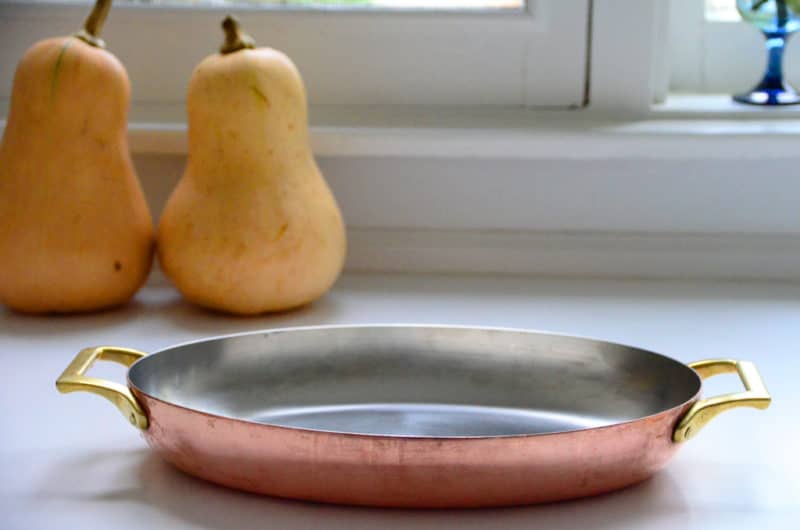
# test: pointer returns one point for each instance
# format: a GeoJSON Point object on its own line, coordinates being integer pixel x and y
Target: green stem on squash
{"type": "Point", "coordinates": [90, 34]}
{"type": "Point", "coordinates": [235, 37]}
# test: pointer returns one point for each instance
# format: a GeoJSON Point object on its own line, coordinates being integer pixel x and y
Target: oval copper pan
{"type": "Point", "coordinates": [414, 416]}
{"type": "Point", "coordinates": [416, 472]}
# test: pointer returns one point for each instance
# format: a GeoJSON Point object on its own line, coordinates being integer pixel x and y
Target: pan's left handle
{"type": "Point", "coordinates": [704, 410]}
{"type": "Point", "coordinates": [73, 379]}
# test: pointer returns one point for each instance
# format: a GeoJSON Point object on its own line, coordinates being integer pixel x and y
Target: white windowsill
{"type": "Point", "coordinates": [711, 126]}
{"type": "Point", "coordinates": [681, 192]}
{"type": "Point", "coordinates": [720, 106]}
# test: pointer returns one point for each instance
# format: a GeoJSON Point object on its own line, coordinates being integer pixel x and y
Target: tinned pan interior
{"type": "Point", "coordinates": [417, 381]}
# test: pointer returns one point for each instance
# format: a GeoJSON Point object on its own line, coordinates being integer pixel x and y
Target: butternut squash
{"type": "Point", "coordinates": [252, 226]}
{"type": "Point", "coordinates": [75, 231]}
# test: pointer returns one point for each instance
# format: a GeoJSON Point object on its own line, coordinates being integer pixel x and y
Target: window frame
{"type": "Point", "coordinates": [347, 57]}
{"type": "Point", "coordinates": [624, 68]}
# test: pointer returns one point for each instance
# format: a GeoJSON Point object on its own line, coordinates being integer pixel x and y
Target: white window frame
{"type": "Point", "coordinates": [347, 57]}
{"type": "Point", "coordinates": [622, 67]}
{"type": "Point", "coordinates": [722, 57]}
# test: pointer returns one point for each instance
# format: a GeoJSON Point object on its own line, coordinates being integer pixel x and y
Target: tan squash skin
{"type": "Point", "coordinates": [75, 231]}
{"type": "Point", "coordinates": [252, 226]}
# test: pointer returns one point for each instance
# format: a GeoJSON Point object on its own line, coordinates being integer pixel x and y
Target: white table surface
{"type": "Point", "coordinates": [71, 461]}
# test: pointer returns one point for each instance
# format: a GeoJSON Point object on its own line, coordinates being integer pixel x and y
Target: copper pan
{"type": "Point", "coordinates": [414, 416]}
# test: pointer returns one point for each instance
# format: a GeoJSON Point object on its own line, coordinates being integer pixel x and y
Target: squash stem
{"type": "Point", "coordinates": [235, 38]}
{"type": "Point", "coordinates": [90, 34]}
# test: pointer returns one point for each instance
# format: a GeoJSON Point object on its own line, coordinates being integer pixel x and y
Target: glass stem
{"type": "Point", "coordinates": [773, 78]}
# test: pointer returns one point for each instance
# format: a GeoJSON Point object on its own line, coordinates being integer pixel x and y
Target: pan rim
{"type": "Point", "coordinates": [683, 405]}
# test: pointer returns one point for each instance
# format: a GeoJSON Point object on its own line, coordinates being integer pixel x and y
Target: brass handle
{"type": "Point", "coordinates": [705, 410]}
{"type": "Point", "coordinates": [74, 380]}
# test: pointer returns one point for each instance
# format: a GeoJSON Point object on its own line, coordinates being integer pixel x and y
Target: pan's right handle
{"type": "Point", "coordinates": [705, 410]}
{"type": "Point", "coordinates": [74, 379]}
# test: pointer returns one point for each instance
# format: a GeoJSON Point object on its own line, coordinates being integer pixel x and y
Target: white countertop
{"type": "Point", "coordinates": [71, 461]}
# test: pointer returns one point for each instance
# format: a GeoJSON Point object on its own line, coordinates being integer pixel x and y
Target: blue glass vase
{"type": "Point", "coordinates": [777, 19]}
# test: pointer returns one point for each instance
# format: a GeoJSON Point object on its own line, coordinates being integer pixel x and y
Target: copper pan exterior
{"type": "Point", "coordinates": [409, 472]}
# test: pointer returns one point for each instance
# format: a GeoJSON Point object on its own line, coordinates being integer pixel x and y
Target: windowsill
{"type": "Point", "coordinates": [681, 192]}
{"type": "Point", "coordinates": [685, 127]}
{"type": "Point", "coordinates": [720, 106]}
